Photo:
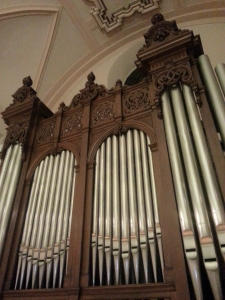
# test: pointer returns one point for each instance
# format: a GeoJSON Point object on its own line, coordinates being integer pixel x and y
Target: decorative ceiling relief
{"type": "Point", "coordinates": [110, 14]}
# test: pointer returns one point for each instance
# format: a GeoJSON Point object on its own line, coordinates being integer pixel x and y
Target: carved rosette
{"type": "Point", "coordinates": [46, 132]}
{"type": "Point", "coordinates": [102, 112]}
{"type": "Point", "coordinates": [136, 101]}
{"type": "Point", "coordinates": [167, 78]}
{"type": "Point", "coordinates": [72, 123]}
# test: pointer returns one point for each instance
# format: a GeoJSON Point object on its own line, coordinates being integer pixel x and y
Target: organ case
{"type": "Point", "coordinates": [119, 195]}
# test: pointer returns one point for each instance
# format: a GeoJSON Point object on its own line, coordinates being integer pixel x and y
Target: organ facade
{"type": "Point", "coordinates": [119, 195]}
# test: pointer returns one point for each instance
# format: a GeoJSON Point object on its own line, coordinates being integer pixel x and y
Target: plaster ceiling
{"type": "Point", "coordinates": [57, 41]}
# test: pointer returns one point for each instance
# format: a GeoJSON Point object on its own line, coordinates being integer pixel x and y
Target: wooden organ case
{"type": "Point", "coordinates": [119, 195]}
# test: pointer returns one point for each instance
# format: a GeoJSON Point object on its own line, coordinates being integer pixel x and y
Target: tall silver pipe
{"type": "Point", "coordinates": [58, 242]}
{"type": "Point", "coordinates": [181, 196]}
{"type": "Point", "coordinates": [22, 245]}
{"type": "Point", "coordinates": [134, 239]}
{"type": "Point", "coordinates": [67, 216]}
{"type": "Point", "coordinates": [27, 250]}
{"type": "Point", "coordinates": [148, 204]}
{"type": "Point", "coordinates": [215, 96]}
{"type": "Point", "coordinates": [108, 209]}
{"type": "Point", "coordinates": [48, 217]}
{"type": "Point", "coordinates": [35, 237]}
{"type": "Point", "coordinates": [208, 173]}
{"type": "Point", "coordinates": [8, 192]}
{"type": "Point", "coordinates": [125, 243]}
{"type": "Point", "coordinates": [220, 72]}
{"type": "Point", "coordinates": [196, 190]}
{"type": "Point", "coordinates": [116, 209]}
{"type": "Point", "coordinates": [4, 170]}
{"type": "Point", "coordinates": [141, 204]}
{"type": "Point", "coordinates": [101, 223]}
{"type": "Point", "coordinates": [48, 203]}
{"type": "Point", "coordinates": [155, 206]}
{"type": "Point", "coordinates": [94, 241]}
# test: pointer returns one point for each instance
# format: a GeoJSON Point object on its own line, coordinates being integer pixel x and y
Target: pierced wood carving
{"type": "Point", "coordinates": [180, 73]}
{"type": "Point", "coordinates": [136, 100]}
{"type": "Point", "coordinates": [72, 123]}
{"type": "Point", "coordinates": [102, 112]}
{"type": "Point", "coordinates": [45, 132]}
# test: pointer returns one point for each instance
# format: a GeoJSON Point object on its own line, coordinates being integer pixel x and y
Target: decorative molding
{"type": "Point", "coordinates": [46, 132]}
{"type": "Point", "coordinates": [102, 112]}
{"type": "Point", "coordinates": [72, 123]}
{"type": "Point", "coordinates": [136, 100]}
{"type": "Point", "coordinates": [91, 91]}
{"type": "Point", "coordinates": [160, 31]}
{"type": "Point", "coordinates": [26, 91]}
{"type": "Point", "coordinates": [167, 78]}
{"type": "Point", "coordinates": [16, 134]}
{"type": "Point", "coordinates": [110, 22]}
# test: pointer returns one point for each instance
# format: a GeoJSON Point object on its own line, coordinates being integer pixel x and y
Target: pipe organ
{"type": "Point", "coordinates": [125, 217]}
{"type": "Point", "coordinates": [120, 194]}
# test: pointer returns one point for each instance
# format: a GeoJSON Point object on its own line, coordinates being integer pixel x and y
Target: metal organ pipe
{"type": "Point", "coordinates": [108, 205]}
{"type": "Point", "coordinates": [208, 173]}
{"type": "Point", "coordinates": [220, 72]}
{"type": "Point", "coordinates": [44, 239]}
{"type": "Point", "coordinates": [215, 96]}
{"type": "Point", "coordinates": [181, 192]}
{"type": "Point", "coordinates": [8, 183]}
{"type": "Point", "coordinates": [128, 205]}
{"type": "Point", "coordinates": [116, 209]}
{"type": "Point", "coordinates": [151, 234]}
{"type": "Point", "coordinates": [196, 192]}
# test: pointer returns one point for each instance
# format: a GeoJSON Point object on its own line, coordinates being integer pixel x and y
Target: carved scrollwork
{"type": "Point", "coordinates": [16, 134]}
{"type": "Point", "coordinates": [160, 31]}
{"type": "Point", "coordinates": [26, 91]}
{"type": "Point", "coordinates": [171, 77]}
{"type": "Point", "coordinates": [102, 112]}
{"type": "Point", "coordinates": [136, 100]}
{"type": "Point", "coordinates": [89, 93]}
{"type": "Point", "coordinates": [45, 132]}
{"type": "Point", "coordinates": [72, 123]}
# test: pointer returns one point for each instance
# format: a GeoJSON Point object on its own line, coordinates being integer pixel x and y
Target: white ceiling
{"type": "Point", "coordinates": [57, 42]}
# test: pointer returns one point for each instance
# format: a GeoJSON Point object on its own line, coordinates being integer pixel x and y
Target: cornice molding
{"type": "Point", "coordinates": [109, 23]}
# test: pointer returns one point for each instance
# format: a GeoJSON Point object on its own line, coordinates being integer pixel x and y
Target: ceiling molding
{"type": "Point", "coordinates": [23, 10]}
{"type": "Point", "coordinates": [109, 23]}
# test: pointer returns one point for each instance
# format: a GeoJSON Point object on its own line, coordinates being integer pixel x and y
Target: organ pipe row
{"type": "Point", "coordinates": [196, 188]}
{"type": "Point", "coordinates": [45, 239]}
{"type": "Point", "coordinates": [9, 177]}
{"type": "Point", "coordinates": [126, 235]}
{"type": "Point", "coordinates": [215, 97]}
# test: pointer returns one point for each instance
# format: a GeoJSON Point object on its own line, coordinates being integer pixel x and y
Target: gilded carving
{"type": "Point", "coordinates": [136, 100]}
{"type": "Point", "coordinates": [102, 112]}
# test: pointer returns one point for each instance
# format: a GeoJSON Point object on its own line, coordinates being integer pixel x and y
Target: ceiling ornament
{"type": "Point", "coordinates": [111, 20]}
